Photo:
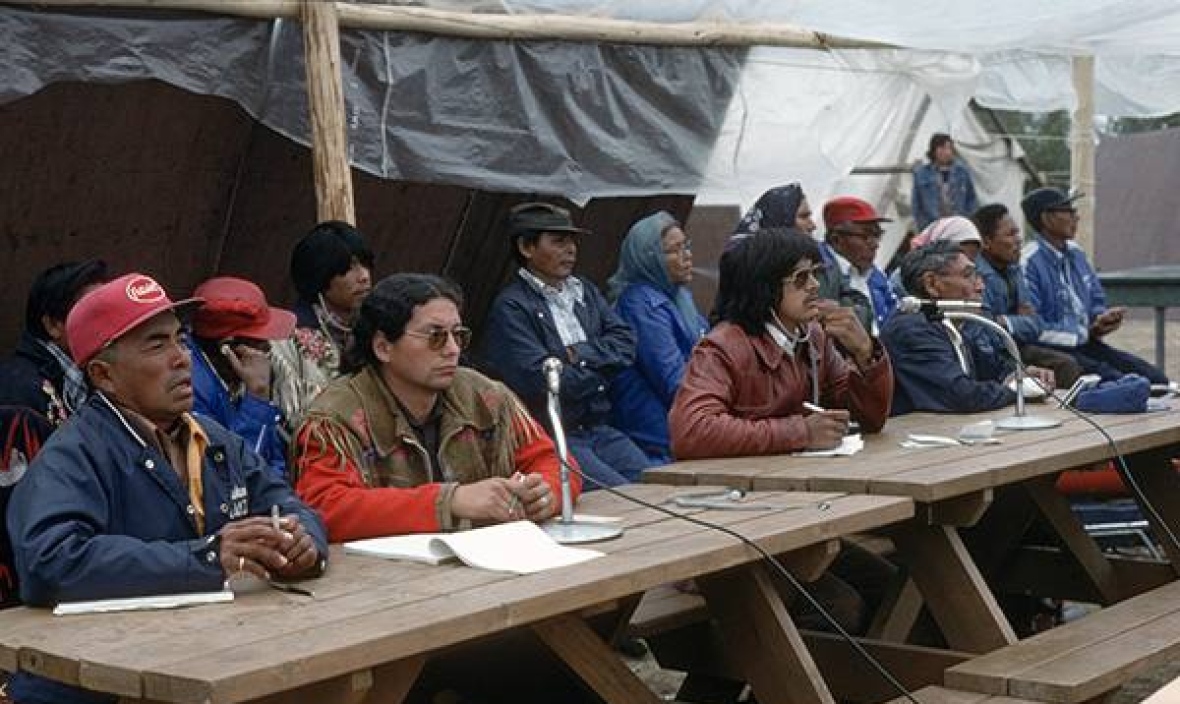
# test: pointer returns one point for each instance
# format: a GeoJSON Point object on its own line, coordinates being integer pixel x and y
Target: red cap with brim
{"type": "Point", "coordinates": [847, 209]}
{"type": "Point", "coordinates": [114, 309]}
{"type": "Point", "coordinates": [237, 308]}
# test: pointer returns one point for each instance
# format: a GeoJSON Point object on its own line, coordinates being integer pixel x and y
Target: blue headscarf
{"type": "Point", "coordinates": [642, 261]}
{"type": "Point", "coordinates": [775, 208]}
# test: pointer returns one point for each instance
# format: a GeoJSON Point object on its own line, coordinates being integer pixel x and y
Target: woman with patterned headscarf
{"type": "Point", "coordinates": [650, 292]}
{"type": "Point", "coordinates": [782, 206]}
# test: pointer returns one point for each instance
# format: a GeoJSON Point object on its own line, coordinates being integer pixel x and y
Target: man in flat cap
{"type": "Point", "coordinates": [134, 496]}
{"type": "Point", "coordinates": [1066, 293]}
{"type": "Point", "coordinates": [548, 311]}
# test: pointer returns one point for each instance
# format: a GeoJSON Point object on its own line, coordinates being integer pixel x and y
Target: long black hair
{"type": "Point", "coordinates": [325, 253]}
{"type": "Point", "coordinates": [389, 307]}
{"type": "Point", "coordinates": [752, 273]}
{"type": "Point", "coordinates": [55, 291]}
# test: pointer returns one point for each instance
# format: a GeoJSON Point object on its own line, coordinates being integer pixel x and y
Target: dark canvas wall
{"type": "Point", "coordinates": [1137, 213]}
{"type": "Point", "coordinates": [183, 187]}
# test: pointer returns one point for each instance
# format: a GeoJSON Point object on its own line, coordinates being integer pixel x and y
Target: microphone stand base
{"type": "Point", "coordinates": [573, 533]}
{"type": "Point", "coordinates": [1027, 423]}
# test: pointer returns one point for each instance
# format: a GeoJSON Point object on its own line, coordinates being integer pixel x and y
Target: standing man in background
{"type": "Point", "coordinates": [943, 185]}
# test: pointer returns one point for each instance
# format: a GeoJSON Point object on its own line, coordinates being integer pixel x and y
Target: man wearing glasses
{"type": "Point", "coordinates": [934, 367]}
{"type": "Point", "coordinates": [1066, 293]}
{"type": "Point", "coordinates": [408, 441]}
{"type": "Point", "coordinates": [231, 335]}
{"type": "Point", "coordinates": [853, 235]}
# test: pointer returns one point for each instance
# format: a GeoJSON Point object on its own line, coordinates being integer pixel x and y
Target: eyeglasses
{"type": "Point", "coordinates": [436, 338]}
{"type": "Point", "coordinates": [874, 234]}
{"type": "Point", "coordinates": [680, 250]}
{"type": "Point", "coordinates": [801, 277]}
{"type": "Point", "coordinates": [969, 273]}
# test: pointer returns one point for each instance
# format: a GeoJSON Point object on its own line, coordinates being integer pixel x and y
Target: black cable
{"type": "Point", "coordinates": [1124, 470]}
{"type": "Point", "coordinates": [772, 561]}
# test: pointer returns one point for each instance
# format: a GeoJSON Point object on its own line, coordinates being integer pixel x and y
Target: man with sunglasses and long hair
{"type": "Point", "coordinates": [409, 441]}
{"type": "Point", "coordinates": [231, 335]}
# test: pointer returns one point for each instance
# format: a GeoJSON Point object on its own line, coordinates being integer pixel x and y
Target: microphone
{"type": "Point", "coordinates": [551, 368]}
{"type": "Point", "coordinates": [567, 529]}
{"type": "Point", "coordinates": [911, 304]}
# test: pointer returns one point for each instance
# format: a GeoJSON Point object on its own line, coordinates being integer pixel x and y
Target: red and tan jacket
{"type": "Point", "coordinates": [743, 395]}
{"type": "Point", "coordinates": [358, 462]}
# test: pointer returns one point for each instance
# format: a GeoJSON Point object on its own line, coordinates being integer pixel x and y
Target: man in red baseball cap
{"type": "Point", "coordinates": [230, 345]}
{"type": "Point", "coordinates": [134, 496]}
{"type": "Point", "coordinates": [853, 234]}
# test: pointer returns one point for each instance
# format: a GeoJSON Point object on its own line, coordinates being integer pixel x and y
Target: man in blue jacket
{"type": "Point", "coordinates": [547, 311]}
{"type": "Point", "coordinates": [1066, 293]}
{"type": "Point", "coordinates": [232, 331]}
{"type": "Point", "coordinates": [852, 235]}
{"type": "Point", "coordinates": [1005, 294]}
{"type": "Point", "coordinates": [134, 496]}
{"type": "Point", "coordinates": [942, 186]}
{"type": "Point", "coordinates": [934, 367]}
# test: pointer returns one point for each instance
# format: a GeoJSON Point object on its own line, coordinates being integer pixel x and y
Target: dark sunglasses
{"type": "Point", "coordinates": [436, 338]}
{"type": "Point", "coordinates": [799, 279]}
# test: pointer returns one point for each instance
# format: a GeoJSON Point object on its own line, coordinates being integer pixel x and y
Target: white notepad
{"type": "Point", "coordinates": [520, 547]}
{"type": "Point", "coordinates": [142, 603]}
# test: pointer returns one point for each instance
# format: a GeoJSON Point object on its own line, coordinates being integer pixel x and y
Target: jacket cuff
{"type": "Point", "coordinates": [875, 359]}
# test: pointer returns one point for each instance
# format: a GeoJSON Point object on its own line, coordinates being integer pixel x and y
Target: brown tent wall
{"type": "Point", "coordinates": [1136, 208]}
{"type": "Point", "coordinates": [183, 186]}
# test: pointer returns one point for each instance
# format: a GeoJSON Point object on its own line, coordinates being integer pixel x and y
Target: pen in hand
{"type": "Point", "coordinates": [807, 405]}
{"type": "Point", "coordinates": [514, 503]}
{"type": "Point", "coordinates": [274, 517]}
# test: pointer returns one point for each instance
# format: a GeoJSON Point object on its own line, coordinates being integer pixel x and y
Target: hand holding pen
{"type": "Point", "coordinates": [825, 428]}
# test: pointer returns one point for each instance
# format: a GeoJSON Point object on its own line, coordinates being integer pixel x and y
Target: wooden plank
{"type": "Point", "coordinates": [386, 684]}
{"type": "Point", "coordinates": [808, 563]}
{"type": "Point", "coordinates": [850, 677]}
{"type": "Point", "coordinates": [1083, 674]}
{"type": "Point", "coordinates": [943, 695]}
{"type": "Point", "coordinates": [593, 660]}
{"type": "Point", "coordinates": [960, 511]}
{"type": "Point", "coordinates": [955, 592]}
{"type": "Point", "coordinates": [762, 638]}
{"type": "Point", "coordinates": [991, 673]}
{"type": "Point", "coordinates": [899, 611]}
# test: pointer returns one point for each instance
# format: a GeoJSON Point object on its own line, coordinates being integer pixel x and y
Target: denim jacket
{"type": "Point", "coordinates": [924, 198]}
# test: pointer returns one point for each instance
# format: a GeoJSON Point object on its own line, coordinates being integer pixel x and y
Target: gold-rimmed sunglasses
{"type": "Point", "coordinates": [436, 338]}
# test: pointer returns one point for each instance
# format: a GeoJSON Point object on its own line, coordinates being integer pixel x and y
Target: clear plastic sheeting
{"type": "Point", "coordinates": [578, 120]}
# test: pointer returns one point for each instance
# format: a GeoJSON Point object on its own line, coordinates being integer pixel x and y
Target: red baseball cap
{"type": "Point", "coordinates": [112, 310]}
{"type": "Point", "coordinates": [846, 209]}
{"type": "Point", "coordinates": [237, 308]}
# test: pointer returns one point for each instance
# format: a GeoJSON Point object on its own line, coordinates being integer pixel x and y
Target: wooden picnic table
{"type": "Point", "coordinates": [373, 623]}
{"type": "Point", "coordinates": [954, 487]}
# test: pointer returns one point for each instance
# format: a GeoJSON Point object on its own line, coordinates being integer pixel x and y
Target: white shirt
{"type": "Point", "coordinates": [560, 302]}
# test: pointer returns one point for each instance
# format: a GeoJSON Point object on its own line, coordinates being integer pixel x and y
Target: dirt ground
{"type": "Point", "coordinates": [1136, 335]}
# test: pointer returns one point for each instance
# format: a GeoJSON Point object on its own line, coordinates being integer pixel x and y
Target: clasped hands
{"type": "Point", "coordinates": [253, 546]}
{"type": "Point", "coordinates": [501, 499]}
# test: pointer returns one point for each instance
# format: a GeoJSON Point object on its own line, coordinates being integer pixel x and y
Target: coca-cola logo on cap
{"type": "Point", "coordinates": [144, 289]}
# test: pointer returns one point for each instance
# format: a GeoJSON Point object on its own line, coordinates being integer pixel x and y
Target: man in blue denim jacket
{"type": "Point", "coordinates": [1066, 294]}
{"type": "Point", "coordinates": [1005, 294]}
{"type": "Point", "coordinates": [547, 311]}
{"type": "Point", "coordinates": [134, 496]}
{"type": "Point", "coordinates": [942, 186]}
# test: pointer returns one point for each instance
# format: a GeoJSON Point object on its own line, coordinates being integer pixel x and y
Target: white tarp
{"type": "Point", "coordinates": [586, 121]}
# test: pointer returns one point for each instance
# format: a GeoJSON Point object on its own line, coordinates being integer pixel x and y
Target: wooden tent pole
{"type": "Point", "coordinates": [325, 97]}
{"type": "Point", "coordinates": [1081, 150]}
{"type": "Point", "coordinates": [488, 26]}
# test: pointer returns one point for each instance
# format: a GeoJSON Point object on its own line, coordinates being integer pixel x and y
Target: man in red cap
{"type": "Point", "coordinates": [134, 496]}
{"type": "Point", "coordinates": [853, 234]}
{"type": "Point", "coordinates": [231, 338]}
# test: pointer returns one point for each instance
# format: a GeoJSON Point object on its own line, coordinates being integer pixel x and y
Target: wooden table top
{"type": "Point", "coordinates": [883, 467]}
{"type": "Point", "coordinates": [369, 611]}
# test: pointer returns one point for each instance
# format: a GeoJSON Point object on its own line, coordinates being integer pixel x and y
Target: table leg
{"type": "Point", "coordinates": [759, 634]}
{"type": "Point", "coordinates": [955, 592]}
{"type": "Point", "coordinates": [593, 660]}
{"type": "Point", "coordinates": [1154, 473]}
{"type": "Point", "coordinates": [1056, 511]}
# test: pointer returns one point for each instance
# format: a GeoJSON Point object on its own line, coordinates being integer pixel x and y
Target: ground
{"type": "Point", "coordinates": [1136, 335]}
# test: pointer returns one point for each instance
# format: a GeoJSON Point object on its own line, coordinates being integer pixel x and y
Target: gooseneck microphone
{"type": "Point", "coordinates": [567, 530]}
{"type": "Point", "coordinates": [956, 309]}
{"type": "Point", "coordinates": [910, 304]}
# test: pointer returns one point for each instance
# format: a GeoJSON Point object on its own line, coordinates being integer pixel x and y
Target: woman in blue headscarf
{"type": "Point", "coordinates": [650, 292]}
